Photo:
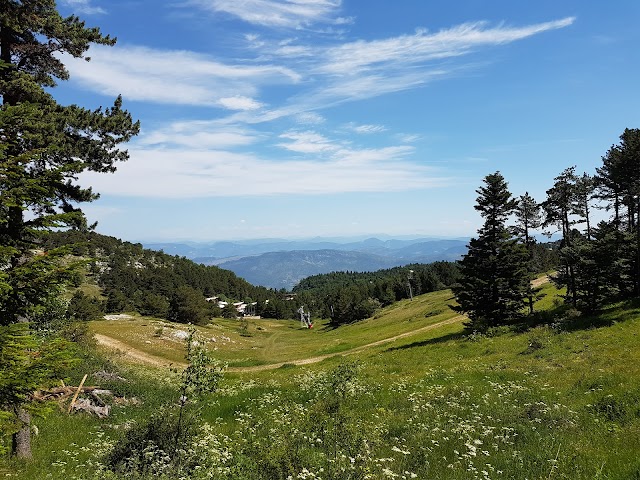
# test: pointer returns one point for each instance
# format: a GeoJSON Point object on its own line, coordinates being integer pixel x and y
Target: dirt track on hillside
{"type": "Point", "coordinates": [540, 281]}
{"type": "Point", "coordinates": [138, 356]}
{"type": "Point", "coordinates": [134, 354]}
{"type": "Point", "coordinates": [319, 358]}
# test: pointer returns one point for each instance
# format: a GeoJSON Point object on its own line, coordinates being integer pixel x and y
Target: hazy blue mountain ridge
{"type": "Point", "coordinates": [228, 249]}
{"type": "Point", "coordinates": [277, 264]}
{"type": "Point", "coordinates": [285, 269]}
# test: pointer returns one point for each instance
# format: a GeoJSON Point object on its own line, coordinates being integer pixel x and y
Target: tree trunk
{"type": "Point", "coordinates": [21, 444]}
{"type": "Point", "coordinates": [636, 283]}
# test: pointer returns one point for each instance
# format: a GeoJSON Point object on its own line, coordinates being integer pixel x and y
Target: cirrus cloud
{"type": "Point", "coordinates": [172, 173]}
{"type": "Point", "coordinates": [277, 13]}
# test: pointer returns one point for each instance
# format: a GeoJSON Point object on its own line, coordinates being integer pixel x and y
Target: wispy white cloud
{"type": "Point", "coordinates": [197, 135]}
{"type": "Point", "coordinates": [307, 142]}
{"type": "Point", "coordinates": [355, 57]}
{"type": "Point", "coordinates": [366, 69]}
{"type": "Point", "coordinates": [337, 91]}
{"type": "Point", "coordinates": [365, 129]}
{"type": "Point", "coordinates": [277, 13]}
{"type": "Point", "coordinates": [175, 77]}
{"type": "Point", "coordinates": [294, 51]}
{"type": "Point", "coordinates": [238, 102]}
{"type": "Point", "coordinates": [310, 118]}
{"type": "Point", "coordinates": [83, 6]}
{"type": "Point", "coordinates": [192, 159]}
{"type": "Point", "coordinates": [318, 76]}
{"type": "Point", "coordinates": [173, 173]}
{"type": "Point", "coordinates": [408, 137]}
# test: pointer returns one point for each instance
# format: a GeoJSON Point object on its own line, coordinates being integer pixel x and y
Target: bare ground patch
{"type": "Point", "coordinates": [133, 354]}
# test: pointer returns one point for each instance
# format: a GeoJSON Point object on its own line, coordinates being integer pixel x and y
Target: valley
{"type": "Point", "coordinates": [282, 264]}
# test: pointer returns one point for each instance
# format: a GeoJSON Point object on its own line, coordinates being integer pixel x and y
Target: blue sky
{"type": "Point", "coordinates": [300, 118]}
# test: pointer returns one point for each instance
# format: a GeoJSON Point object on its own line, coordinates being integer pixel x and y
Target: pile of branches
{"type": "Point", "coordinates": [90, 402]}
{"type": "Point", "coordinates": [88, 399]}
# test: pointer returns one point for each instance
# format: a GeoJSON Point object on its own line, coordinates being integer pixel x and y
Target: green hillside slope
{"type": "Point", "coordinates": [555, 401]}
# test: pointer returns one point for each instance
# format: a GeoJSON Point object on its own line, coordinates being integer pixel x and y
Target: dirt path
{"type": "Point", "coordinates": [540, 281]}
{"type": "Point", "coordinates": [134, 354]}
{"type": "Point", "coordinates": [319, 358]}
{"type": "Point", "coordinates": [148, 359]}
{"type": "Point", "coordinates": [306, 361]}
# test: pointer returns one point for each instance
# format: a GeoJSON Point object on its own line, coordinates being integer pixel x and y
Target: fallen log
{"type": "Point", "coordinates": [62, 392]}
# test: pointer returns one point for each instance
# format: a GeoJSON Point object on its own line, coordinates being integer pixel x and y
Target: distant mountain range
{"type": "Point", "coordinates": [277, 263]}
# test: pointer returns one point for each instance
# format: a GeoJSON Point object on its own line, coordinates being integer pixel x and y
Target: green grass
{"type": "Point", "coordinates": [276, 341]}
{"type": "Point", "coordinates": [546, 402]}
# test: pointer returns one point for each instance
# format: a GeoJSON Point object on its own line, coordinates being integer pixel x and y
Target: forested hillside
{"type": "Point", "coordinates": [285, 269]}
{"type": "Point", "coordinates": [152, 283]}
{"type": "Point", "coordinates": [350, 296]}
{"type": "Point", "coordinates": [132, 278]}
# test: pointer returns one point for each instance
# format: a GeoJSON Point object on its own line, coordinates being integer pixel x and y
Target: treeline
{"type": "Point", "coordinates": [132, 278]}
{"type": "Point", "coordinates": [346, 297]}
{"type": "Point", "coordinates": [597, 261]}
{"type": "Point", "coordinates": [152, 283]}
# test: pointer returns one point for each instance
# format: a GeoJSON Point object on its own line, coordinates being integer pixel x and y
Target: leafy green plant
{"type": "Point", "coordinates": [157, 446]}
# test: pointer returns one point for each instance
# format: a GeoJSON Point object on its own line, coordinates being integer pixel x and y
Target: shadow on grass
{"type": "Point", "coordinates": [431, 341]}
{"type": "Point", "coordinates": [329, 327]}
{"type": "Point", "coordinates": [567, 318]}
{"type": "Point", "coordinates": [561, 317]}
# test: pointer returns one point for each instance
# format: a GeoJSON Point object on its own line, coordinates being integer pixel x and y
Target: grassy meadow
{"type": "Point", "coordinates": [557, 400]}
{"type": "Point", "coordinates": [278, 341]}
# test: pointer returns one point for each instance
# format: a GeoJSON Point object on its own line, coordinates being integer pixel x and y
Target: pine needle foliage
{"type": "Point", "coordinates": [494, 275]}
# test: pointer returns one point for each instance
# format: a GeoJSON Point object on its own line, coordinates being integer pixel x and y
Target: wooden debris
{"type": "Point", "coordinates": [62, 392]}
{"type": "Point", "coordinates": [84, 398]}
{"type": "Point", "coordinates": [73, 400]}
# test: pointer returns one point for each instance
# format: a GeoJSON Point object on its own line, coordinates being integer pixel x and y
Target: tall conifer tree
{"type": "Point", "coordinates": [44, 146]}
{"type": "Point", "coordinates": [528, 218]}
{"type": "Point", "coordinates": [494, 277]}
{"type": "Point", "coordinates": [558, 208]}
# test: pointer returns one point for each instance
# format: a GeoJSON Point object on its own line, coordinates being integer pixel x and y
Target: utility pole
{"type": "Point", "coordinates": [409, 277]}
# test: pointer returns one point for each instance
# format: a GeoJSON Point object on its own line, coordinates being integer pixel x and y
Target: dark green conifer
{"type": "Point", "coordinates": [44, 146]}
{"type": "Point", "coordinates": [494, 277]}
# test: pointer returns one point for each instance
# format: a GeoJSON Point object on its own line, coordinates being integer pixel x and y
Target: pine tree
{"type": "Point", "coordinates": [630, 160]}
{"type": "Point", "coordinates": [581, 204]}
{"type": "Point", "coordinates": [558, 208]}
{"type": "Point", "coordinates": [528, 218]}
{"type": "Point", "coordinates": [494, 277]}
{"type": "Point", "coordinates": [618, 183]}
{"type": "Point", "coordinates": [44, 146]}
